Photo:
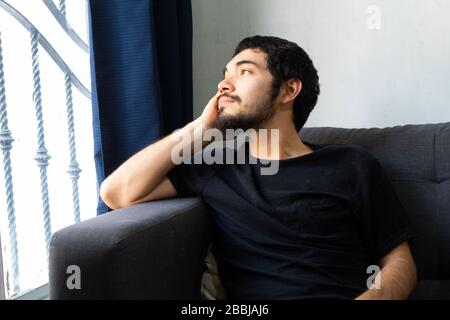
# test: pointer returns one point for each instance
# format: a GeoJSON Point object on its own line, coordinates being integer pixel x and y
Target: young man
{"type": "Point", "coordinates": [317, 227]}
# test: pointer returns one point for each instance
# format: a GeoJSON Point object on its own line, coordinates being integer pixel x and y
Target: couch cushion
{"type": "Point", "coordinates": [432, 290]}
{"type": "Point", "coordinates": [212, 288]}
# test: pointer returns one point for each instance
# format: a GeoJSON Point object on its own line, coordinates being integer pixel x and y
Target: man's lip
{"type": "Point", "coordinates": [222, 101]}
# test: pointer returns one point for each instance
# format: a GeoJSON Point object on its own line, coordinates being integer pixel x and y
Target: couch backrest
{"type": "Point", "coordinates": [417, 160]}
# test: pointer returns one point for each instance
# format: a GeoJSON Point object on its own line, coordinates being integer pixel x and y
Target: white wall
{"type": "Point", "coordinates": [397, 74]}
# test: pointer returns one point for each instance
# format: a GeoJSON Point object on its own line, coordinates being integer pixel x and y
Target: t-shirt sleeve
{"type": "Point", "coordinates": [189, 177]}
{"type": "Point", "coordinates": [384, 220]}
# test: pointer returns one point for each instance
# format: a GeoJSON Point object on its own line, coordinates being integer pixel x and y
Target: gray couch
{"type": "Point", "coordinates": [156, 250]}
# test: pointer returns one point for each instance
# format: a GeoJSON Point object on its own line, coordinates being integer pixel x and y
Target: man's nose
{"type": "Point", "coordinates": [225, 86]}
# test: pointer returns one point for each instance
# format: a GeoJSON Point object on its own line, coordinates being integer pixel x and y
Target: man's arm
{"type": "Point", "coordinates": [143, 176]}
{"type": "Point", "coordinates": [398, 276]}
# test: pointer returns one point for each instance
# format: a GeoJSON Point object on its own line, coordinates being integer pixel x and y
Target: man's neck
{"type": "Point", "coordinates": [277, 142]}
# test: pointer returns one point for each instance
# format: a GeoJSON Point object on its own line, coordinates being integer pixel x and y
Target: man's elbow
{"type": "Point", "coordinates": [110, 196]}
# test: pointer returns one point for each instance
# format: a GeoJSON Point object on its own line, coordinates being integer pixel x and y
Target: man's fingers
{"type": "Point", "coordinates": [215, 97]}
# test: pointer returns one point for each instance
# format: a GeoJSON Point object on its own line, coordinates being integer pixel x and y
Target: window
{"type": "Point", "coordinates": [48, 178]}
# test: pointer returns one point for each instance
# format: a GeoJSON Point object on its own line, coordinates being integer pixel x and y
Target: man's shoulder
{"type": "Point", "coordinates": [353, 152]}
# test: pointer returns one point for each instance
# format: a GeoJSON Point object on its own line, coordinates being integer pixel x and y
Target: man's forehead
{"type": "Point", "coordinates": [254, 55]}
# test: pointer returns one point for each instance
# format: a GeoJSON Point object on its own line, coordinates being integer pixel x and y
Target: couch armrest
{"type": "Point", "coordinates": [153, 250]}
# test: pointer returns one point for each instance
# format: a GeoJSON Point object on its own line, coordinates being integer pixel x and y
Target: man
{"type": "Point", "coordinates": [319, 227]}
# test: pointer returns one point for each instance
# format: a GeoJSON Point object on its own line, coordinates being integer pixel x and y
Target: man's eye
{"type": "Point", "coordinates": [245, 70]}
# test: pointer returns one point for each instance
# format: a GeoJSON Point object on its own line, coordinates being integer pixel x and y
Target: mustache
{"type": "Point", "coordinates": [236, 98]}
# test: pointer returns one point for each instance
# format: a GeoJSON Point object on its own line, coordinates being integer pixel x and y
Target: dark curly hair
{"type": "Point", "coordinates": [286, 60]}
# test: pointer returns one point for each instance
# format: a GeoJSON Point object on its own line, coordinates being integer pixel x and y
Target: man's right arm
{"type": "Point", "coordinates": [143, 177]}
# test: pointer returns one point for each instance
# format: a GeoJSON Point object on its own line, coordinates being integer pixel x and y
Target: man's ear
{"type": "Point", "coordinates": [291, 90]}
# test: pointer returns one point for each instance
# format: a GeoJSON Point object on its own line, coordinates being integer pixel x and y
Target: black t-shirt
{"type": "Point", "coordinates": [309, 231]}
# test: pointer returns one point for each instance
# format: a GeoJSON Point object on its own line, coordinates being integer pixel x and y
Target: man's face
{"type": "Point", "coordinates": [245, 101]}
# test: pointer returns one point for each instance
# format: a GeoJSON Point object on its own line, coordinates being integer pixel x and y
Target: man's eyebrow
{"type": "Point", "coordinates": [242, 62]}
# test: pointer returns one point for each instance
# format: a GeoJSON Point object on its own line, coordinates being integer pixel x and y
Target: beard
{"type": "Point", "coordinates": [263, 112]}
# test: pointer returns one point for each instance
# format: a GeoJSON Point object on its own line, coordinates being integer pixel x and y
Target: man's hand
{"type": "Point", "coordinates": [210, 112]}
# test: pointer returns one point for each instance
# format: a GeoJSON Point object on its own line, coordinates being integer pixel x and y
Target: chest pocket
{"type": "Point", "coordinates": [326, 220]}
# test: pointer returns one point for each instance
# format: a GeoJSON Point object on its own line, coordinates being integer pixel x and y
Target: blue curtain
{"type": "Point", "coordinates": [141, 69]}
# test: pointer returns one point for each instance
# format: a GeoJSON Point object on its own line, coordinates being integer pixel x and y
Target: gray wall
{"type": "Point", "coordinates": [376, 70]}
